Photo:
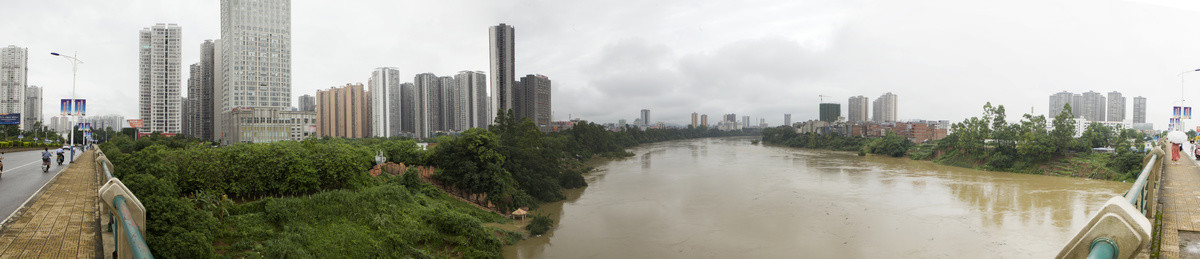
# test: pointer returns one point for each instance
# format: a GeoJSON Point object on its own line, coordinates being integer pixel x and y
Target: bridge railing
{"type": "Point", "coordinates": [127, 216]}
{"type": "Point", "coordinates": [1122, 227]}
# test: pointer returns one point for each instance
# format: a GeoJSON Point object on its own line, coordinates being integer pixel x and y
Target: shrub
{"type": "Point", "coordinates": [539, 225]}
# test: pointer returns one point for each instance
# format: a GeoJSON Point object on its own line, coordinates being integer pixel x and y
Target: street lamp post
{"type": "Point", "coordinates": [74, 71]}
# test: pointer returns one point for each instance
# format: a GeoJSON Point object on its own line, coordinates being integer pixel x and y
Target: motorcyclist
{"type": "Point", "coordinates": [46, 155]}
{"type": "Point", "coordinates": [60, 155]}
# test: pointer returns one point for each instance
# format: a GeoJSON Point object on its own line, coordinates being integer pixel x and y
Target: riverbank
{"type": "Point", "coordinates": [1027, 157]}
{"type": "Point", "coordinates": [1079, 165]}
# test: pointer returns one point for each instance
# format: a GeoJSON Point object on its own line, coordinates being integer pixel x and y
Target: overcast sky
{"type": "Point", "coordinates": [609, 59]}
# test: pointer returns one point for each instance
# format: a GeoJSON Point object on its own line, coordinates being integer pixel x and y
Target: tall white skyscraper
{"type": "Point", "coordinates": [14, 74]}
{"type": "Point", "coordinates": [159, 78]}
{"type": "Point", "coordinates": [473, 85]}
{"type": "Point", "coordinates": [856, 111]}
{"type": "Point", "coordinates": [503, 65]}
{"type": "Point", "coordinates": [885, 108]}
{"type": "Point", "coordinates": [33, 107]}
{"type": "Point", "coordinates": [255, 56]}
{"type": "Point", "coordinates": [384, 87]}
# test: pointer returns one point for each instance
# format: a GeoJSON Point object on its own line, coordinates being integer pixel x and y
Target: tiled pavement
{"type": "Point", "coordinates": [1181, 204]}
{"type": "Point", "coordinates": [61, 223]}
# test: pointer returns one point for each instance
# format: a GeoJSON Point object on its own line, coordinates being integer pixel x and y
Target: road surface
{"type": "Point", "coordinates": [23, 176]}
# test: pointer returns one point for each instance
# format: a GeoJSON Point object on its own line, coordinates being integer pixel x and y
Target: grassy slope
{"type": "Point", "coordinates": [388, 220]}
{"type": "Point", "coordinates": [1084, 165]}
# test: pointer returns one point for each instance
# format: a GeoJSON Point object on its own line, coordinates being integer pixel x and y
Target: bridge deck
{"type": "Point", "coordinates": [1180, 199]}
{"type": "Point", "coordinates": [62, 222]}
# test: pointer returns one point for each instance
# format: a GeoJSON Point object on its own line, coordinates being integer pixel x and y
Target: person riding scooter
{"type": "Point", "coordinates": [45, 160]}
{"type": "Point", "coordinates": [60, 156]}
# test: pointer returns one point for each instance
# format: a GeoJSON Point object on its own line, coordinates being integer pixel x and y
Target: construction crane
{"type": "Point", "coordinates": [821, 97]}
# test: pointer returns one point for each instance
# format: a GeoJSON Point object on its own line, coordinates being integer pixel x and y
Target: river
{"type": "Point", "coordinates": [728, 198]}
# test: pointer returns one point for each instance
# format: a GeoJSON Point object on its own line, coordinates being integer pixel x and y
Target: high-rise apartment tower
{"type": "Point", "coordinates": [159, 76]}
{"type": "Point", "coordinates": [503, 67]}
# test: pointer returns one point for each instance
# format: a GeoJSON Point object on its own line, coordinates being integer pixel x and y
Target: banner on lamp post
{"type": "Point", "coordinates": [65, 106]}
{"type": "Point", "coordinates": [80, 107]}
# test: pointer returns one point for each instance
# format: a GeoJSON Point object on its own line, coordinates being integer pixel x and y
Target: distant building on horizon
{"type": "Point", "coordinates": [695, 120]}
{"type": "Point", "coordinates": [645, 119]}
{"type": "Point", "coordinates": [159, 74]}
{"type": "Point", "coordinates": [745, 121]}
{"type": "Point", "coordinates": [33, 107]}
{"type": "Point", "coordinates": [1060, 99]}
{"type": "Point", "coordinates": [1092, 106]}
{"type": "Point", "coordinates": [856, 109]}
{"type": "Point", "coordinates": [104, 122]}
{"type": "Point", "coordinates": [829, 112]}
{"type": "Point", "coordinates": [787, 119]}
{"type": "Point", "coordinates": [308, 103]}
{"type": "Point", "coordinates": [1139, 109]}
{"type": "Point", "coordinates": [1116, 106]}
{"type": "Point", "coordinates": [704, 120]}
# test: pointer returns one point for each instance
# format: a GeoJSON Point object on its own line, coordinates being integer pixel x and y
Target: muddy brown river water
{"type": "Point", "coordinates": [728, 198]}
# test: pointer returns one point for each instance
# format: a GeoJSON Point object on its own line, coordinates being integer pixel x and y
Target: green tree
{"type": "Point", "coordinates": [1064, 130]}
{"type": "Point", "coordinates": [472, 163]}
{"type": "Point", "coordinates": [1035, 144]}
{"type": "Point", "coordinates": [890, 144]}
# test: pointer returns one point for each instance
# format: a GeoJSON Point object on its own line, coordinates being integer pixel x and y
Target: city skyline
{"type": "Point", "coordinates": [597, 70]}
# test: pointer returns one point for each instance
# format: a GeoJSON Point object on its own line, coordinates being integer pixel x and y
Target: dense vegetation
{"type": "Point", "coordinates": [314, 198]}
{"type": "Point", "coordinates": [991, 142]}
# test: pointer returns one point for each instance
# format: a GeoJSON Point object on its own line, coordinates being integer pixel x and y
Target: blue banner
{"type": "Point", "coordinates": [65, 106]}
{"type": "Point", "coordinates": [80, 107]}
{"type": "Point", "coordinates": [10, 118]}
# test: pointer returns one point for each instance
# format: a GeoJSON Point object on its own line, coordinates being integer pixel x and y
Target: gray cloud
{"type": "Point", "coordinates": [944, 58]}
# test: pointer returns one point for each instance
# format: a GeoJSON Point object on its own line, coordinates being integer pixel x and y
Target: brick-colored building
{"type": "Point", "coordinates": [344, 112]}
{"type": "Point", "coordinates": [917, 132]}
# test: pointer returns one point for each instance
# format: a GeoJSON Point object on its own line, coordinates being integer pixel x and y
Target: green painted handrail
{"type": "Point", "coordinates": [1103, 248]}
{"type": "Point", "coordinates": [134, 236]}
{"type": "Point", "coordinates": [1134, 194]}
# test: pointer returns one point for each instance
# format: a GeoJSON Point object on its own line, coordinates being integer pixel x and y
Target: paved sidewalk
{"type": "Point", "coordinates": [61, 223]}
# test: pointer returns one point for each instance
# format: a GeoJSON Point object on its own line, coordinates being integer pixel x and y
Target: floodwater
{"type": "Point", "coordinates": [728, 198]}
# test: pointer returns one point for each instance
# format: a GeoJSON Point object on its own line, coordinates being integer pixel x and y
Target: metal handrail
{"type": "Point", "coordinates": [136, 242]}
{"type": "Point", "coordinates": [1136, 193]}
{"type": "Point", "coordinates": [107, 173]}
{"type": "Point", "coordinates": [133, 235]}
{"type": "Point", "coordinates": [1103, 247]}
